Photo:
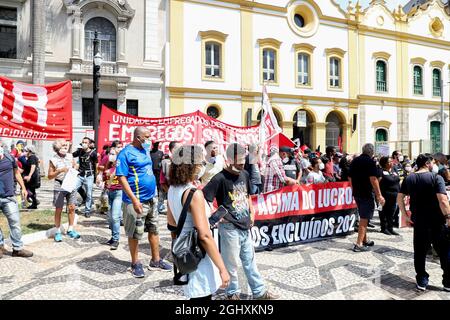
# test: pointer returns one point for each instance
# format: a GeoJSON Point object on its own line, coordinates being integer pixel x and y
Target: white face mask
{"type": "Point", "coordinates": [84, 146]}
{"type": "Point", "coordinates": [112, 158]}
{"type": "Point", "coordinates": [202, 172]}
{"type": "Point", "coordinates": [321, 166]}
{"type": "Point", "coordinates": [285, 160]}
{"type": "Point", "coordinates": [435, 168]}
{"type": "Point", "coordinates": [401, 158]}
{"type": "Point", "coordinates": [408, 169]}
{"type": "Point", "coordinates": [63, 152]}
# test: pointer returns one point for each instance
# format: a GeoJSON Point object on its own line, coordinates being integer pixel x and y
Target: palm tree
{"type": "Point", "coordinates": [38, 37]}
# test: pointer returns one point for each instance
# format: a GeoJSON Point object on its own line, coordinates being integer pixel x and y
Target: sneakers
{"type": "Point", "coordinates": [109, 242]}
{"type": "Point", "coordinates": [386, 232]}
{"type": "Point", "coordinates": [421, 284]}
{"type": "Point", "coordinates": [73, 234]}
{"type": "Point", "coordinates": [447, 289]}
{"type": "Point", "coordinates": [137, 270]}
{"type": "Point", "coordinates": [368, 244]}
{"type": "Point", "coordinates": [160, 265]}
{"type": "Point", "coordinates": [357, 248]}
{"type": "Point", "coordinates": [58, 237]}
{"type": "Point", "coordinates": [235, 296]}
{"type": "Point", "coordinates": [22, 253]}
{"type": "Point", "coordinates": [268, 296]}
{"type": "Point", "coordinates": [114, 245]}
{"type": "Point", "coordinates": [370, 225]}
{"type": "Point", "coordinates": [87, 215]}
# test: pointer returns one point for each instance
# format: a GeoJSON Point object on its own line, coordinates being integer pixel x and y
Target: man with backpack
{"type": "Point", "coordinates": [8, 203]}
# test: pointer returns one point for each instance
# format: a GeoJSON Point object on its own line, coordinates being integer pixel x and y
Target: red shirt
{"type": "Point", "coordinates": [329, 170]}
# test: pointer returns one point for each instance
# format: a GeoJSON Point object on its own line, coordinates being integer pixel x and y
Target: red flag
{"type": "Point", "coordinates": [340, 143]}
{"type": "Point", "coordinates": [36, 112]}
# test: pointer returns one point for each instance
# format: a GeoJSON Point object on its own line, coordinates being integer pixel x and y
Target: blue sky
{"type": "Point", "coordinates": [364, 3]}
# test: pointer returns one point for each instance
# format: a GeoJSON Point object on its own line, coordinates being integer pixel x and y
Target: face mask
{"type": "Point", "coordinates": [408, 169]}
{"type": "Point", "coordinates": [63, 152]}
{"type": "Point", "coordinates": [84, 146]}
{"type": "Point", "coordinates": [202, 172]}
{"type": "Point", "coordinates": [435, 169]}
{"type": "Point", "coordinates": [321, 166]}
{"type": "Point", "coordinates": [285, 160]}
{"type": "Point", "coordinates": [401, 158]}
{"type": "Point", "coordinates": [112, 158]}
{"type": "Point", "coordinates": [146, 143]}
{"type": "Point", "coordinates": [112, 152]}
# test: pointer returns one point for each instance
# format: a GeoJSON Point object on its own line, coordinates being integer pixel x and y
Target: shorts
{"type": "Point", "coordinates": [366, 207]}
{"type": "Point", "coordinates": [60, 195]}
{"type": "Point", "coordinates": [150, 217]}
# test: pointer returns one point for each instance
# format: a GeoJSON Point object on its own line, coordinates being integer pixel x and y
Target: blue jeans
{"type": "Point", "coordinates": [115, 212]}
{"type": "Point", "coordinates": [88, 182]}
{"type": "Point", "coordinates": [235, 244]}
{"type": "Point", "coordinates": [10, 209]}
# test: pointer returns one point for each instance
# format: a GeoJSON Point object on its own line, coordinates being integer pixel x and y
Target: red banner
{"type": "Point", "coordinates": [303, 200]}
{"type": "Point", "coordinates": [36, 112]}
{"type": "Point", "coordinates": [191, 128]}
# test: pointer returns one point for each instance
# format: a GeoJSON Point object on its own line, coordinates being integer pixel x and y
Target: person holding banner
{"type": "Point", "coordinates": [134, 169]}
{"type": "Point", "coordinates": [231, 189]}
{"type": "Point", "coordinates": [364, 180]}
{"type": "Point", "coordinates": [59, 165]}
{"type": "Point", "coordinates": [275, 177]}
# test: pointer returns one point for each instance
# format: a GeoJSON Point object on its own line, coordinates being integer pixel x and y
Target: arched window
{"type": "Point", "coordinates": [418, 80]}
{"type": "Point", "coordinates": [333, 130]}
{"type": "Point", "coordinates": [106, 35]}
{"type": "Point", "coordinates": [381, 135]}
{"type": "Point", "coordinates": [381, 76]}
{"type": "Point", "coordinates": [435, 136]}
{"type": "Point", "coordinates": [436, 83]}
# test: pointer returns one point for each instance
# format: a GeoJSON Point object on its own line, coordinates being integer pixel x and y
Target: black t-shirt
{"type": "Point", "coordinates": [232, 192]}
{"type": "Point", "coordinates": [88, 161]}
{"type": "Point", "coordinates": [7, 167]}
{"type": "Point", "coordinates": [422, 189]}
{"type": "Point", "coordinates": [389, 184]}
{"type": "Point", "coordinates": [361, 169]}
{"type": "Point", "coordinates": [292, 168]}
{"type": "Point", "coordinates": [32, 160]}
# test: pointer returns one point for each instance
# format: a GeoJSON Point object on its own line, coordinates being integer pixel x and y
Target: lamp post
{"type": "Point", "coordinates": [97, 62]}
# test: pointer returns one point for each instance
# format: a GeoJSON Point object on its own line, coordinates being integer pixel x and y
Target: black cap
{"type": "Point", "coordinates": [285, 149]}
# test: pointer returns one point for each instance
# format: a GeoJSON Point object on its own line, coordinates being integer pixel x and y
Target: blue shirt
{"type": "Point", "coordinates": [136, 165]}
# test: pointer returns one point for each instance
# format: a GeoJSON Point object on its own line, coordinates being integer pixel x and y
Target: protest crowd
{"type": "Point", "coordinates": [199, 188]}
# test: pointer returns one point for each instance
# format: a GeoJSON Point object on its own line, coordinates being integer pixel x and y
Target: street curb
{"type": "Point", "coordinates": [41, 235]}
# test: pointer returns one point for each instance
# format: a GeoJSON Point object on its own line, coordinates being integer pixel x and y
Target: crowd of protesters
{"type": "Point", "coordinates": [137, 180]}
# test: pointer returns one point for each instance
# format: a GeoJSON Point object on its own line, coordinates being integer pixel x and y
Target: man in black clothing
{"type": "Point", "coordinates": [430, 213]}
{"type": "Point", "coordinates": [87, 155]}
{"type": "Point", "coordinates": [157, 157]}
{"type": "Point", "coordinates": [364, 179]}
